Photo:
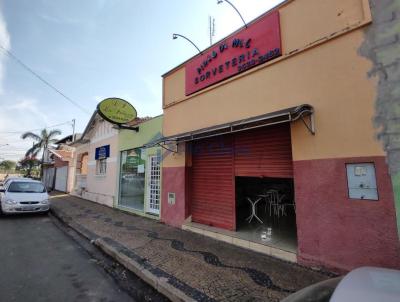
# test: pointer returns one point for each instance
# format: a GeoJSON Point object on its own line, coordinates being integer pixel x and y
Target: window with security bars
{"type": "Point", "coordinates": [101, 166]}
{"type": "Point", "coordinates": [154, 184]}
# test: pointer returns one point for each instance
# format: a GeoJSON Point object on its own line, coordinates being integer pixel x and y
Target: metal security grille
{"type": "Point", "coordinates": [213, 182]}
{"type": "Point", "coordinates": [263, 152]}
{"type": "Point", "coordinates": [154, 178]}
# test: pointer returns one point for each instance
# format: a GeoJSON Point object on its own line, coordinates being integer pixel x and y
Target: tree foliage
{"type": "Point", "coordinates": [7, 165]}
{"type": "Point", "coordinates": [28, 164]}
{"type": "Point", "coordinates": [41, 143]}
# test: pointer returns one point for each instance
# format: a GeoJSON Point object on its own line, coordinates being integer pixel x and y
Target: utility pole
{"type": "Point", "coordinates": [73, 130]}
{"type": "Point", "coordinates": [211, 27]}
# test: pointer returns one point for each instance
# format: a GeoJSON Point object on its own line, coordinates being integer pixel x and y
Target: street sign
{"type": "Point", "coordinates": [102, 152]}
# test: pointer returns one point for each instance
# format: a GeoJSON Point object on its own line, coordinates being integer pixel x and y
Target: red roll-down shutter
{"type": "Point", "coordinates": [264, 152]}
{"type": "Point", "coordinates": [213, 185]}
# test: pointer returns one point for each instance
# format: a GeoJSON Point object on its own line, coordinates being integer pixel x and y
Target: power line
{"type": "Point", "coordinates": [11, 55]}
{"type": "Point", "coordinates": [12, 148]}
{"type": "Point", "coordinates": [13, 151]}
{"type": "Point", "coordinates": [38, 129]}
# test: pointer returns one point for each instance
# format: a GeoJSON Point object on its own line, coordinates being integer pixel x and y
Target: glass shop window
{"type": "Point", "coordinates": [132, 179]}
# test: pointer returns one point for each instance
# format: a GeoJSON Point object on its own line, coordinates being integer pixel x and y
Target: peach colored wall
{"type": "Point", "coordinates": [320, 57]}
{"type": "Point", "coordinates": [101, 188]}
{"type": "Point", "coordinates": [334, 18]}
{"type": "Point", "coordinates": [78, 151]}
{"type": "Point", "coordinates": [175, 159]}
{"type": "Point", "coordinates": [71, 178]}
{"type": "Point", "coordinates": [103, 184]}
{"type": "Point", "coordinates": [172, 87]}
{"type": "Point", "coordinates": [307, 21]}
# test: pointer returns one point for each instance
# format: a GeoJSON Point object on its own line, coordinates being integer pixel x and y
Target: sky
{"type": "Point", "coordinates": [94, 49]}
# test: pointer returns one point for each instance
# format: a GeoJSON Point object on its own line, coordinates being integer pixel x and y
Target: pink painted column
{"type": "Point", "coordinates": [174, 181]}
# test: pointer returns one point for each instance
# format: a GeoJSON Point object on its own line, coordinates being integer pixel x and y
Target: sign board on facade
{"type": "Point", "coordinates": [102, 152]}
{"type": "Point", "coordinates": [135, 158]}
{"type": "Point", "coordinates": [132, 160]}
{"type": "Point", "coordinates": [116, 111]}
{"type": "Point", "coordinates": [259, 43]}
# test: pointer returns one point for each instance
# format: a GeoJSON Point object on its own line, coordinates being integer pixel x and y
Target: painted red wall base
{"type": "Point", "coordinates": [341, 233]}
{"type": "Point", "coordinates": [173, 180]}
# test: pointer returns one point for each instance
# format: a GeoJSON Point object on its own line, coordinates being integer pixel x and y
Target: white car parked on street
{"type": "Point", "coordinates": [364, 284]}
{"type": "Point", "coordinates": [24, 196]}
{"type": "Point", "coordinates": [8, 179]}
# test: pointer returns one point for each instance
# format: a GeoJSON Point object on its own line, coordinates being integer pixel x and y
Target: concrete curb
{"type": "Point", "coordinates": [159, 283]}
{"type": "Point", "coordinates": [73, 225]}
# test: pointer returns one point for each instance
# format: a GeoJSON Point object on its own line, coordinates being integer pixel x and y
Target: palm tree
{"type": "Point", "coordinates": [28, 163]}
{"type": "Point", "coordinates": [43, 140]}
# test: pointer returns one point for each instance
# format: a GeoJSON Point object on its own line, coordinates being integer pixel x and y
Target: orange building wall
{"type": "Point", "coordinates": [319, 76]}
{"type": "Point", "coordinates": [320, 66]}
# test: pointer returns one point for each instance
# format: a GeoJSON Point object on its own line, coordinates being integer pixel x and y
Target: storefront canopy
{"type": "Point", "coordinates": [282, 116]}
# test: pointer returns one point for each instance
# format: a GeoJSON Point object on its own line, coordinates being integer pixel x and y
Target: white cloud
{"type": "Point", "coordinates": [30, 107]}
{"type": "Point", "coordinates": [5, 43]}
{"type": "Point", "coordinates": [21, 114]}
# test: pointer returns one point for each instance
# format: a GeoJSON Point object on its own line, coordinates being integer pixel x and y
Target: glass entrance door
{"type": "Point", "coordinates": [153, 184]}
{"type": "Point", "coordinates": [132, 180]}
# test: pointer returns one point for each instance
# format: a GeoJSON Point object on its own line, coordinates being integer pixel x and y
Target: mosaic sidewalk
{"type": "Point", "coordinates": [202, 268]}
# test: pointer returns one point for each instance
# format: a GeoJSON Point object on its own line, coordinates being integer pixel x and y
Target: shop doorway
{"type": "Point", "coordinates": [219, 162]}
{"type": "Point", "coordinates": [266, 211]}
{"type": "Point", "coordinates": [132, 180]}
{"type": "Point", "coordinates": [154, 184]}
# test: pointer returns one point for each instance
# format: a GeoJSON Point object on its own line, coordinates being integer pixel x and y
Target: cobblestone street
{"type": "Point", "coordinates": [203, 268]}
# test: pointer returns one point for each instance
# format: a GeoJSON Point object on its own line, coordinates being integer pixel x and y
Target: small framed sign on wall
{"type": "Point", "coordinates": [102, 152]}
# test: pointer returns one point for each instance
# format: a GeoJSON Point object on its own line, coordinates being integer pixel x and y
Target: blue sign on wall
{"type": "Point", "coordinates": [102, 152]}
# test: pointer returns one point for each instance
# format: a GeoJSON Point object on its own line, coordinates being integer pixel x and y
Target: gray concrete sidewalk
{"type": "Point", "coordinates": [180, 264]}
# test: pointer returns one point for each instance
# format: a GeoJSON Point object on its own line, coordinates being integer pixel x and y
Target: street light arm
{"type": "Point", "coordinates": [174, 36]}
{"type": "Point", "coordinates": [240, 15]}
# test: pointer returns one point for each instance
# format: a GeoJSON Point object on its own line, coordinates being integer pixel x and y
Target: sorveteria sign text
{"type": "Point", "coordinates": [257, 44]}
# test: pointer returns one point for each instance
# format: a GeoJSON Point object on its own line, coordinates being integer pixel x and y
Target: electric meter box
{"type": "Point", "coordinates": [361, 181]}
{"type": "Point", "coordinates": [171, 198]}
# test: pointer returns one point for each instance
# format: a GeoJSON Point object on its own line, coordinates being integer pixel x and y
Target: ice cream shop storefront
{"type": "Point", "coordinates": [271, 144]}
